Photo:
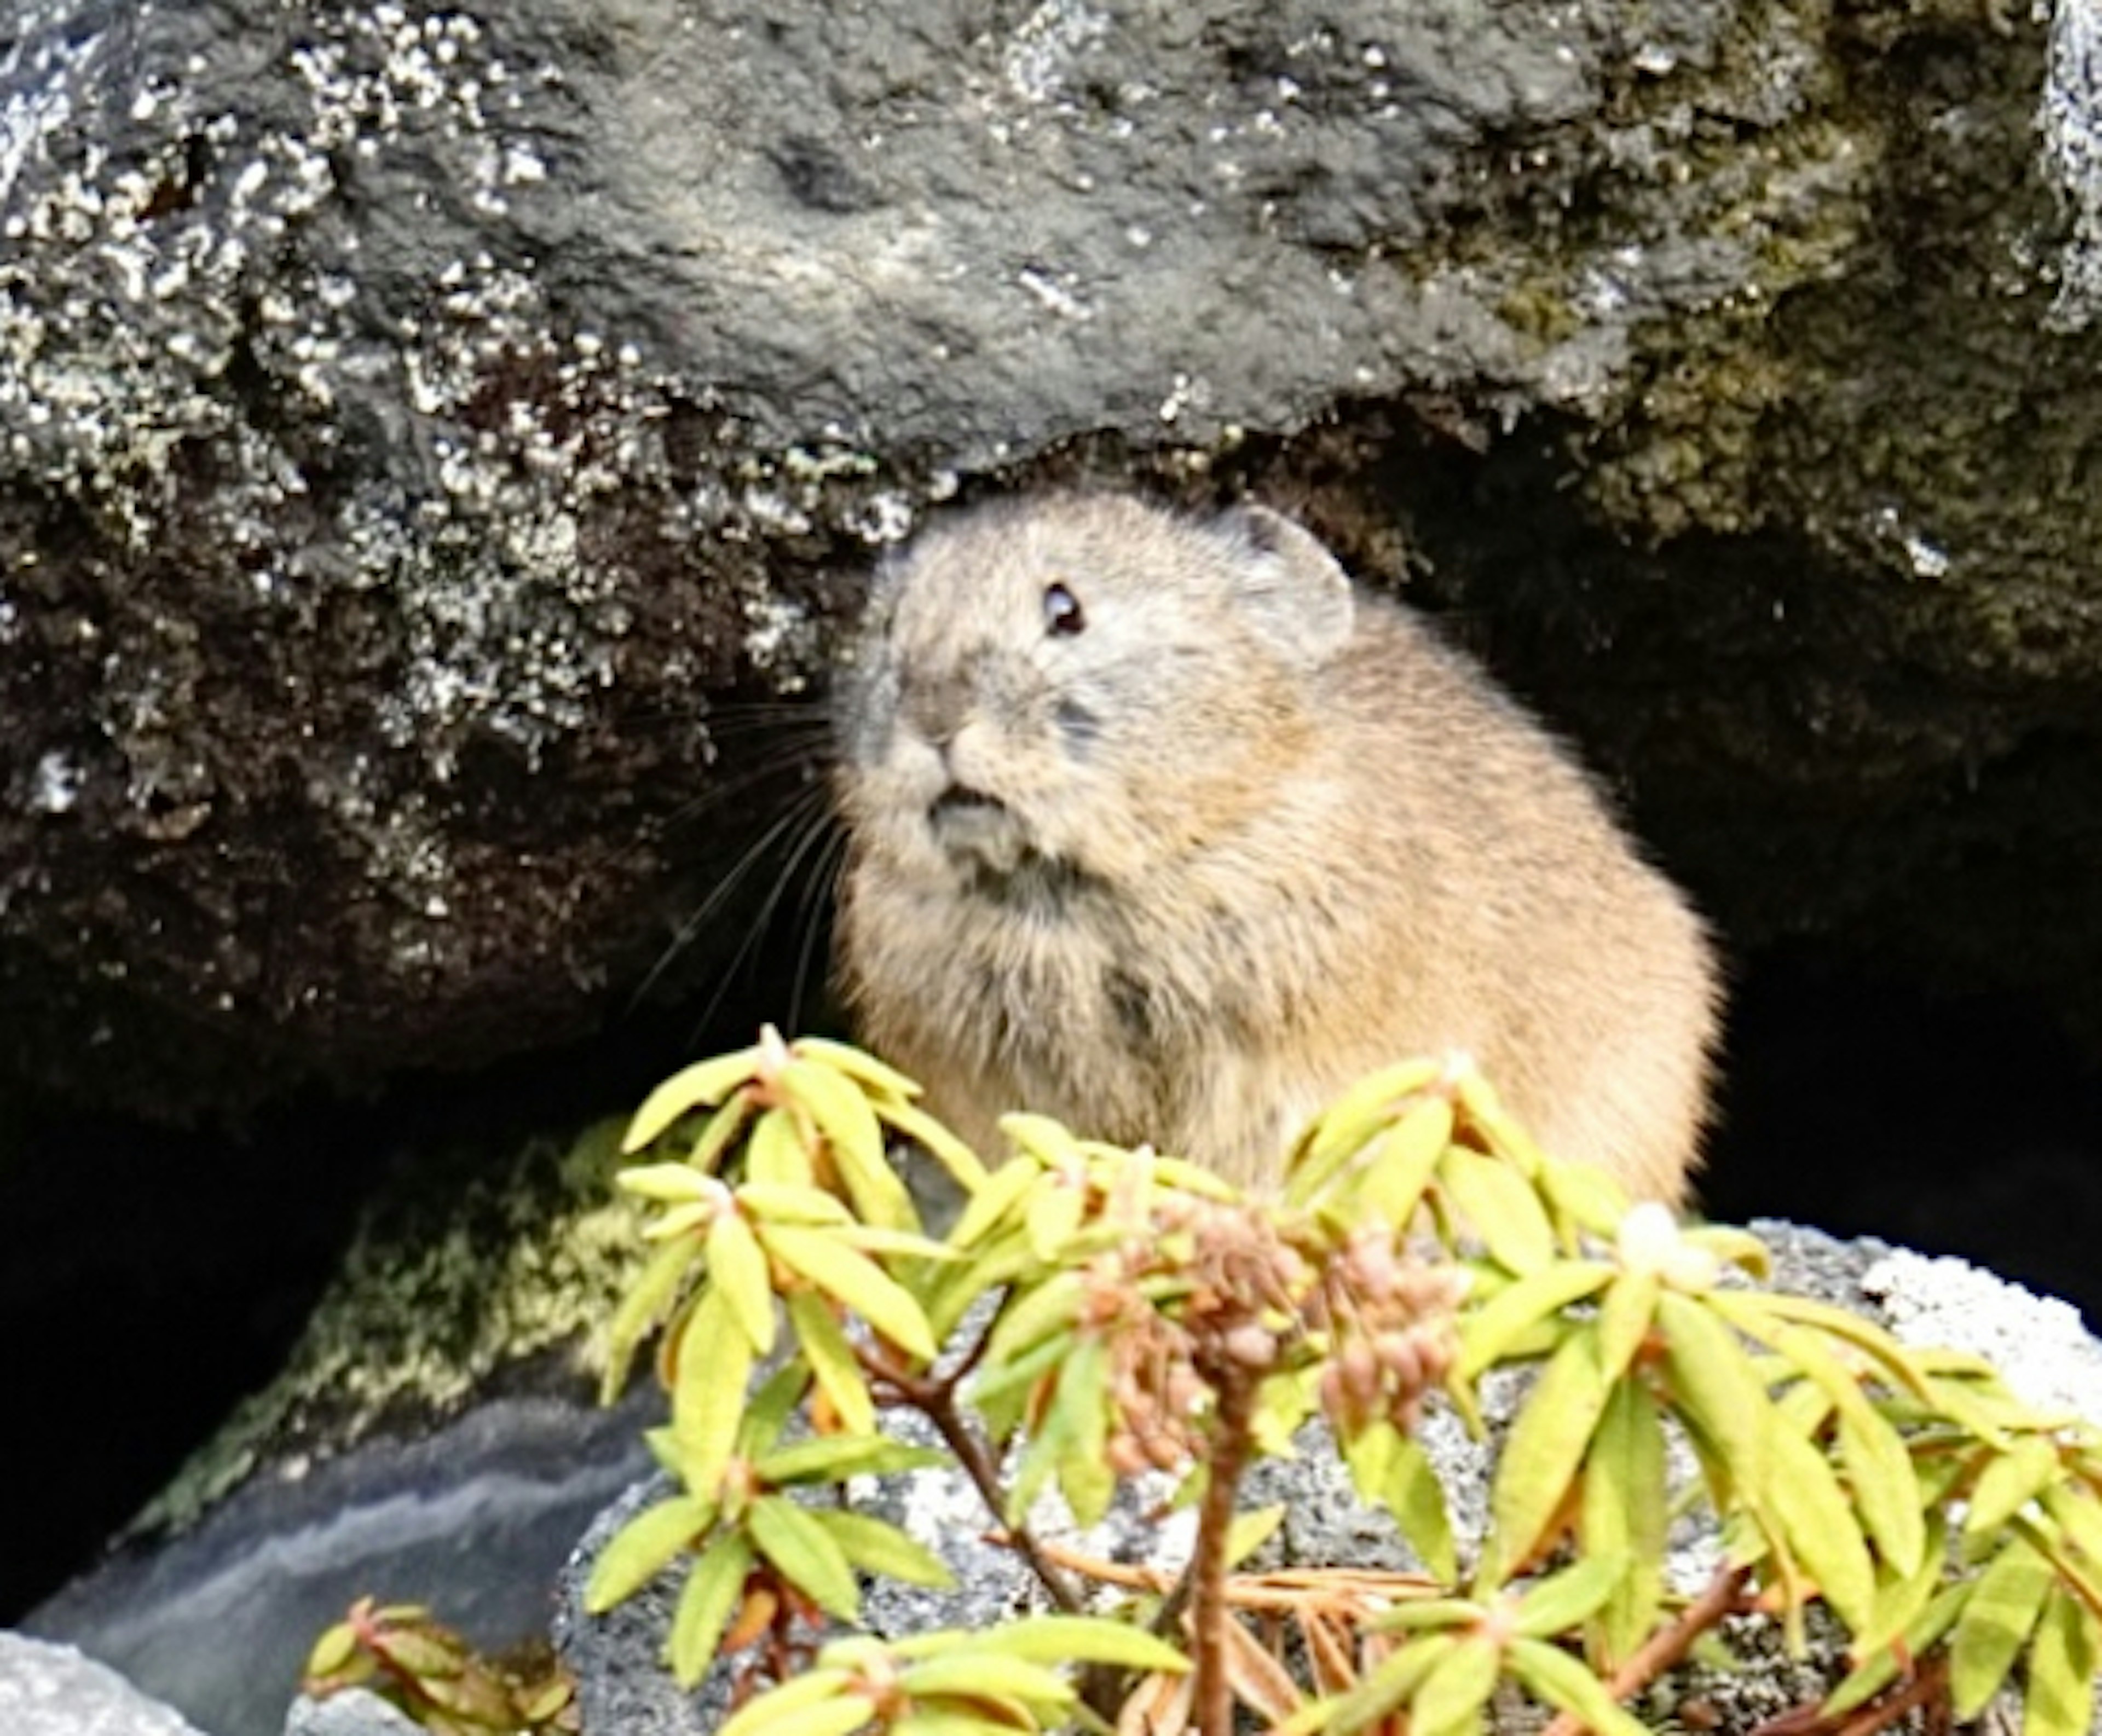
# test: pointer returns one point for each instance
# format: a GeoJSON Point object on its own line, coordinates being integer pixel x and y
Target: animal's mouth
{"type": "Point", "coordinates": [995, 848]}
{"type": "Point", "coordinates": [978, 829]}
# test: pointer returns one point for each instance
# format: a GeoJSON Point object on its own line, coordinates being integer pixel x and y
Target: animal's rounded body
{"type": "Point", "coordinates": [1161, 827]}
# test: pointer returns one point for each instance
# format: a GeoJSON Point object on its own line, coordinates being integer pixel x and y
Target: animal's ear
{"type": "Point", "coordinates": [1289, 582]}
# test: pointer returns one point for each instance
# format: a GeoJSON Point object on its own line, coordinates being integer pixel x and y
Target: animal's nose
{"type": "Point", "coordinates": [935, 706]}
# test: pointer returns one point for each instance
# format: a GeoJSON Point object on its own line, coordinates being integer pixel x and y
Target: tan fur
{"type": "Point", "coordinates": [1287, 836]}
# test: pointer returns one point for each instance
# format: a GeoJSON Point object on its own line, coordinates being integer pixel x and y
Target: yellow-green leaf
{"type": "Point", "coordinates": [2078, 1515]}
{"type": "Point", "coordinates": [1049, 1141]}
{"type": "Point", "coordinates": [970, 1673]}
{"type": "Point", "coordinates": [708, 1395]}
{"type": "Point", "coordinates": [1624, 1318]}
{"type": "Point", "coordinates": [2058, 1693]}
{"type": "Point", "coordinates": [857, 1065]}
{"type": "Point", "coordinates": [856, 1136]}
{"type": "Point", "coordinates": [1541, 1456]}
{"type": "Point", "coordinates": [1392, 1684]}
{"type": "Point", "coordinates": [1879, 1667]}
{"type": "Point", "coordinates": [1566, 1599]}
{"type": "Point", "coordinates": [1057, 1639]}
{"type": "Point", "coordinates": [1501, 1205]}
{"type": "Point", "coordinates": [677, 1220]}
{"type": "Point", "coordinates": [1886, 1490]}
{"type": "Point", "coordinates": [1737, 1247]}
{"type": "Point", "coordinates": [876, 1546]}
{"type": "Point", "coordinates": [873, 1239]}
{"type": "Point", "coordinates": [2010, 1482]}
{"type": "Point", "coordinates": [963, 1163]}
{"type": "Point", "coordinates": [739, 1271]}
{"type": "Point", "coordinates": [1555, 1678]}
{"type": "Point", "coordinates": [792, 1202]}
{"type": "Point", "coordinates": [648, 1300]}
{"type": "Point", "coordinates": [1822, 1530]}
{"type": "Point", "coordinates": [1000, 1194]}
{"type": "Point", "coordinates": [1390, 1184]}
{"type": "Point", "coordinates": [1187, 1177]}
{"type": "Point", "coordinates": [831, 1360]}
{"type": "Point", "coordinates": [992, 1265]}
{"type": "Point", "coordinates": [706, 1601]}
{"type": "Point", "coordinates": [1900, 1601]}
{"type": "Point", "coordinates": [1713, 1384]}
{"type": "Point", "coordinates": [856, 1280]}
{"type": "Point", "coordinates": [1488, 1331]}
{"type": "Point", "coordinates": [1450, 1699]}
{"type": "Point", "coordinates": [1033, 1315]}
{"type": "Point", "coordinates": [721, 1131]}
{"type": "Point", "coordinates": [818, 1703]}
{"type": "Point", "coordinates": [667, 1183]}
{"type": "Point", "coordinates": [1345, 1128]}
{"type": "Point", "coordinates": [1757, 1312]}
{"type": "Point", "coordinates": [832, 1458]}
{"type": "Point", "coordinates": [805, 1553]}
{"type": "Point", "coordinates": [1626, 1511]}
{"type": "Point", "coordinates": [701, 1086]}
{"type": "Point", "coordinates": [775, 1156]}
{"type": "Point", "coordinates": [995, 1718]}
{"type": "Point", "coordinates": [335, 1648]}
{"type": "Point", "coordinates": [2003, 1608]}
{"type": "Point", "coordinates": [1391, 1469]}
{"type": "Point", "coordinates": [1585, 1196]}
{"type": "Point", "coordinates": [1052, 1214]}
{"type": "Point", "coordinates": [644, 1548]}
{"type": "Point", "coordinates": [994, 1380]}
{"type": "Point", "coordinates": [1075, 1416]}
{"type": "Point", "coordinates": [1250, 1531]}
{"type": "Point", "coordinates": [540, 1707]}
{"type": "Point", "coordinates": [1879, 1469]}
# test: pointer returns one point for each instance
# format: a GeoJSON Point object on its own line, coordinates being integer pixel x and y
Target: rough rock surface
{"type": "Point", "coordinates": [355, 1713]}
{"type": "Point", "coordinates": [416, 422]}
{"type": "Point", "coordinates": [52, 1690]}
{"type": "Point", "coordinates": [474, 1521]}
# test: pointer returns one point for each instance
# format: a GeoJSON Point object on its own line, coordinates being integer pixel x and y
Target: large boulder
{"type": "Point", "coordinates": [421, 429]}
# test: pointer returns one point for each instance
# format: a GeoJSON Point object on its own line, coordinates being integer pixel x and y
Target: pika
{"type": "Point", "coordinates": [1161, 826]}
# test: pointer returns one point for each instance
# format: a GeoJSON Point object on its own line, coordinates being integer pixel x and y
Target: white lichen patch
{"type": "Point", "coordinates": [31, 114]}
{"type": "Point", "coordinates": [55, 787]}
{"type": "Point", "coordinates": [780, 640]}
{"type": "Point", "coordinates": [1040, 55]}
{"type": "Point", "coordinates": [2069, 117]}
{"type": "Point", "coordinates": [2039, 1343]}
{"type": "Point", "coordinates": [1926, 558]}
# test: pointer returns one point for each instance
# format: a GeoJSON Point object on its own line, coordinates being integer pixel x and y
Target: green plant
{"type": "Point", "coordinates": [427, 1672]}
{"type": "Point", "coordinates": [1106, 1311]}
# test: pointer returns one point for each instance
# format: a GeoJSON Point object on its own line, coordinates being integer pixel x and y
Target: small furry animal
{"type": "Point", "coordinates": [1160, 826]}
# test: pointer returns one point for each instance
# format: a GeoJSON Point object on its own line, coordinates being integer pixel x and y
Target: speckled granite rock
{"type": "Point", "coordinates": [355, 1713]}
{"type": "Point", "coordinates": [52, 1690]}
{"type": "Point", "coordinates": [415, 423]}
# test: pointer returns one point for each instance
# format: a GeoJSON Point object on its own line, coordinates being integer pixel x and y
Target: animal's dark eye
{"type": "Point", "coordinates": [1062, 614]}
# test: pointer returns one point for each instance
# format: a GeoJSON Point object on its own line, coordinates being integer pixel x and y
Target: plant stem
{"type": "Point", "coordinates": [1235, 1388]}
{"type": "Point", "coordinates": [1724, 1596]}
{"type": "Point", "coordinates": [934, 1397]}
{"type": "Point", "coordinates": [978, 1465]}
{"type": "Point", "coordinates": [1930, 1682]}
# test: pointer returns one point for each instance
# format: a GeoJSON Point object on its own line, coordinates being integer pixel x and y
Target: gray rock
{"type": "Point", "coordinates": [473, 1521]}
{"type": "Point", "coordinates": [413, 427]}
{"type": "Point", "coordinates": [47, 1690]}
{"type": "Point", "coordinates": [354, 1713]}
